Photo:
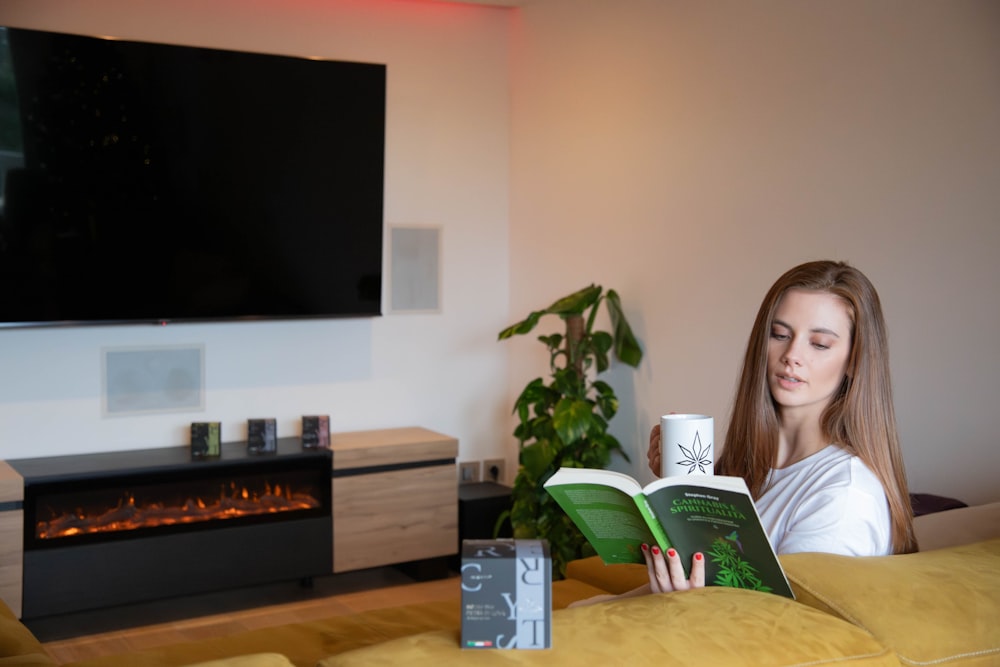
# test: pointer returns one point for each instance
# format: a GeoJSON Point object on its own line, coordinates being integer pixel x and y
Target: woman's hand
{"type": "Point", "coordinates": [653, 453]}
{"type": "Point", "coordinates": [667, 574]}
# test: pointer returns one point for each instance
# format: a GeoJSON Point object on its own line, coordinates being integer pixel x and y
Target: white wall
{"type": "Point", "coordinates": [687, 153]}
{"type": "Point", "coordinates": [447, 165]}
{"type": "Point", "coordinates": [682, 153]}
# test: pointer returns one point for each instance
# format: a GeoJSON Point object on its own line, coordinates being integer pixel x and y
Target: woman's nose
{"type": "Point", "coordinates": [790, 355]}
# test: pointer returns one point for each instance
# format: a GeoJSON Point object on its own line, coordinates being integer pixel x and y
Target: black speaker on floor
{"type": "Point", "coordinates": [479, 506]}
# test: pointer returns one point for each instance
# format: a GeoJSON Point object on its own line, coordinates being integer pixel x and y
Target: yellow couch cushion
{"type": "Point", "coordinates": [302, 643]}
{"type": "Point", "coordinates": [709, 626]}
{"type": "Point", "coordinates": [940, 607]}
{"type": "Point", "coordinates": [28, 660]}
{"type": "Point", "coordinates": [17, 645]}
{"type": "Point", "coordinates": [257, 660]}
{"type": "Point", "coordinates": [567, 591]}
{"type": "Point", "coordinates": [305, 643]}
{"type": "Point", "coordinates": [615, 578]}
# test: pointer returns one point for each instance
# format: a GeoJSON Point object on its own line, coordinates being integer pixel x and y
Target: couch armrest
{"type": "Point", "coordinates": [933, 607]}
{"type": "Point", "coordinates": [964, 525]}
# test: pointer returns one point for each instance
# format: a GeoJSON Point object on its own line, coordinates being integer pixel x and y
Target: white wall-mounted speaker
{"type": "Point", "coordinates": [415, 269]}
{"type": "Point", "coordinates": [145, 380]}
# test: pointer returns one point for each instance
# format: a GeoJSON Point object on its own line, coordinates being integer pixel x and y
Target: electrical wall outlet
{"type": "Point", "coordinates": [494, 470]}
{"type": "Point", "coordinates": [468, 472]}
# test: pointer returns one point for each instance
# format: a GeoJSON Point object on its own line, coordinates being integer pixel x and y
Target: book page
{"type": "Point", "coordinates": [720, 482]}
{"type": "Point", "coordinates": [609, 518]}
{"type": "Point", "coordinates": [614, 479]}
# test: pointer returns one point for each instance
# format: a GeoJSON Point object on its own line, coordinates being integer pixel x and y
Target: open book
{"type": "Point", "coordinates": [711, 514]}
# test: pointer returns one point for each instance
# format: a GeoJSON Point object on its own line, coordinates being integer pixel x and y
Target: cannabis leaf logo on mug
{"type": "Point", "coordinates": [696, 457]}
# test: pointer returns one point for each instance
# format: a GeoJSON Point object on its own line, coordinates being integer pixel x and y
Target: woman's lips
{"type": "Point", "coordinates": [789, 381]}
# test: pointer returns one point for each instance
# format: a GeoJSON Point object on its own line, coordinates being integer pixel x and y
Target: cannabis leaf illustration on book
{"type": "Point", "coordinates": [697, 457]}
{"type": "Point", "coordinates": [733, 570]}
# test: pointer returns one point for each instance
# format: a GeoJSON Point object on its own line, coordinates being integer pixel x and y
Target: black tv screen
{"type": "Point", "coordinates": [157, 183]}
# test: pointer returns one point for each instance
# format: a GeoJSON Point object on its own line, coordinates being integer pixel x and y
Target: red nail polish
{"type": "Point", "coordinates": [656, 550]}
{"type": "Point", "coordinates": [645, 547]}
{"type": "Point", "coordinates": [671, 552]}
{"type": "Point", "coordinates": [698, 556]}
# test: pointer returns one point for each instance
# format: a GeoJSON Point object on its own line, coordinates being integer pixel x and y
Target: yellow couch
{"type": "Point", "coordinates": [937, 607]}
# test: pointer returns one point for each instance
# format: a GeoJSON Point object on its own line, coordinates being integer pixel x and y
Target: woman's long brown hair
{"type": "Point", "coordinates": [861, 416]}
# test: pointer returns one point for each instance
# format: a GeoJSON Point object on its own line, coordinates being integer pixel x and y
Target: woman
{"type": "Point", "coordinates": [813, 430]}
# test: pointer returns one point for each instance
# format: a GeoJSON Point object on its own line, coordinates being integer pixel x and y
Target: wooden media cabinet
{"type": "Point", "coordinates": [393, 500]}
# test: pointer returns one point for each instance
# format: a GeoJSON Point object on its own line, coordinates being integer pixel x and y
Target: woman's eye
{"type": "Point", "coordinates": [821, 346]}
{"type": "Point", "coordinates": [777, 335]}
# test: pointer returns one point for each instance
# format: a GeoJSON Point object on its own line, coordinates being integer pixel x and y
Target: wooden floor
{"type": "Point", "coordinates": [93, 634]}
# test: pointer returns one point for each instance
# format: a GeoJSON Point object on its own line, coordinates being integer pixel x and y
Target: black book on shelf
{"type": "Point", "coordinates": [206, 440]}
{"type": "Point", "coordinates": [316, 432]}
{"type": "Point", "coordinates": [262, 436]}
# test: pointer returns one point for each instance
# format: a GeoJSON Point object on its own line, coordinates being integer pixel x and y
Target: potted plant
{"type": "Point", "coordinates": [564, 421]}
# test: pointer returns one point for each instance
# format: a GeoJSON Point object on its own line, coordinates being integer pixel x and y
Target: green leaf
{"type": "Point", "coordinates": [577, 302]}
{"type": "Point", "coordinates": [532, 393]}
{"type": "Point", "coordinates": [567, 382]}
{"type": "Point", "coordinates": [522, 409]}
{"type": "Point", "coordinates": [603, 388]}
{"type": "Point", "coordinates": [626, 346]}
{"type": "Point", "coordinates": [552, 341]}
{"type": "Point", "coordinates": [499, 523]}
{"type": "Point", "coordinates": [572, 419]}
{"type": "Point", "coordinates": [525, 531]}
{"type": "Point", "coordinates": [522, 327]}
{"type": "Point", "coordinates": [612, 445]}
{"type": "Point", "coordinates": [531, 389]}
{"type": "Point", "coordinates": [601, 342]}
{"type": "Point", "coordinates": [535, 458]}
{"type": "Point", "coordinates": [573, 304]}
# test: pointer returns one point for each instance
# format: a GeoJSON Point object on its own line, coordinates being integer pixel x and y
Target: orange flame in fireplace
{"type": "Point", "coordinates": [126, 515]}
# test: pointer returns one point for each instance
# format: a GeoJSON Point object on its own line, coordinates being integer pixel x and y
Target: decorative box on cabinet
{"type": "Point", "coordinates": [395, 497]}
{"type": "Point", "coordinates": [11, 536]}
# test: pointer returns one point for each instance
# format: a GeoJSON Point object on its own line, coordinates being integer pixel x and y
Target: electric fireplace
{"type": "Point", "coordinates": [107, 529]}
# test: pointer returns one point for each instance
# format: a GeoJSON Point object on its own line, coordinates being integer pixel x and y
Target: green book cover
{"type": "Point", "coordinates": [711, 514]}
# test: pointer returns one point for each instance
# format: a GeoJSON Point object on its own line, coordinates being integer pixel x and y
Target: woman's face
{"type": "Point", "coordinates": [807, 353]}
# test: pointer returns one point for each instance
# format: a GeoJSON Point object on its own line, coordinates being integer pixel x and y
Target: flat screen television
{"type": "Point", "coordinates": [156, 183]}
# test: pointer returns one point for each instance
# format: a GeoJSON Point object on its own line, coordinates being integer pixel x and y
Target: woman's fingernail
{"type": "Point", "coordinates": [656, 551]}
{"type": "Point", "coordinates": [698, 556]}
{"type": "Point", "coordinates": [672, 553]}
{"type": "Point", "coordinates": [645, 547]}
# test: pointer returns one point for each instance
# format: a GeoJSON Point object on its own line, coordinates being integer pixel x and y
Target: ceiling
{"type": "Point", "coordinates": [495, 3]}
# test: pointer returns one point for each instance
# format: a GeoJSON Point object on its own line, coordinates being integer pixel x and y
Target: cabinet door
{"type": "Point", "coordinates": [394, 517]}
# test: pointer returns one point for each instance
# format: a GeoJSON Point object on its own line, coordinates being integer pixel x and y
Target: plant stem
{"type": "Point", "coordinates": [574, 335]}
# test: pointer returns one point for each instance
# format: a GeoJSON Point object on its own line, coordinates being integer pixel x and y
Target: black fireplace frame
{"type": "Point", "coordinates": [73, 575]}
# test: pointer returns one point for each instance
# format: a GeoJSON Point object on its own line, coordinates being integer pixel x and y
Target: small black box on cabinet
{"type": "Point", "coordinates": [262, 436]}
{"type": "Point", "coordinates": [316, 432]}
{"type": "Point", "coordinates": [206, 440]}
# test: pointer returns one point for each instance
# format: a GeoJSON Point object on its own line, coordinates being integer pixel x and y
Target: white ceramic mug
{"type": "Point", "coordinates": [687, 445]}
